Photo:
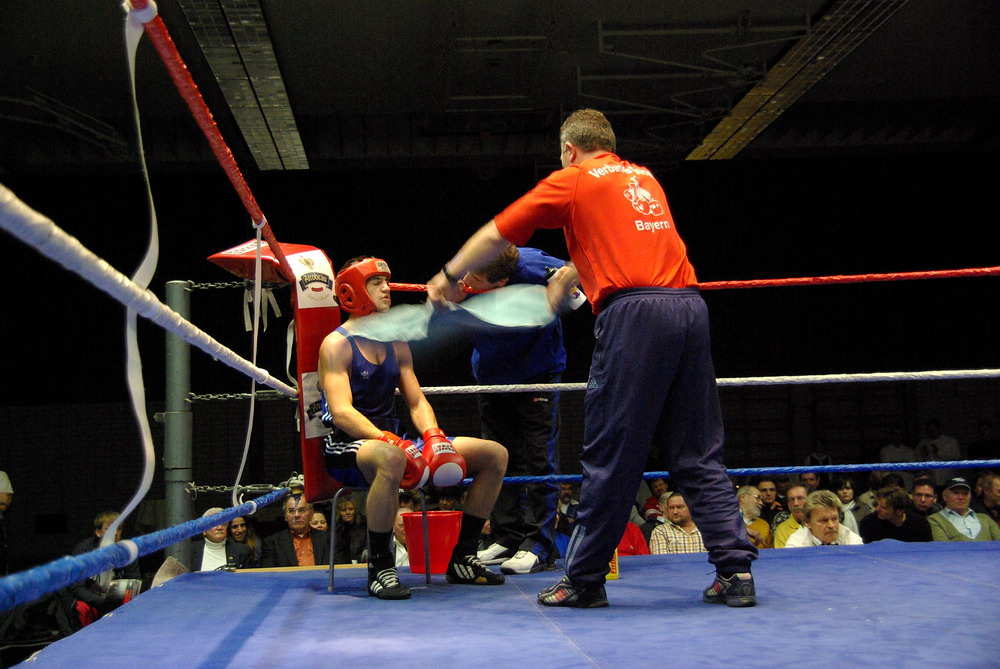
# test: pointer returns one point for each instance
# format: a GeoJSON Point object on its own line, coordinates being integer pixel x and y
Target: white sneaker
{"type": "Point", "coordinates": [523, 562]}
{"type": "Point", "coordinates": [494, 554]}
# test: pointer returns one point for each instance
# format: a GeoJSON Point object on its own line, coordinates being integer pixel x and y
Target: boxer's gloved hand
{"type": "Point", "coordinates": [446, 465]}
{"type": "Point", "coordinates": [417, 472]}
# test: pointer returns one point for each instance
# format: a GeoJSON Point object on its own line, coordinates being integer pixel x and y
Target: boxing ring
{"type": "Point", "coordinates": [912, 602]}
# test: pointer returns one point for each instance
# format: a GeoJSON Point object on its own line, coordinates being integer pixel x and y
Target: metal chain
{"type": "Point", "coordinates": [233, 284]}
{"type": "Point", "coordinates": [261, 395]}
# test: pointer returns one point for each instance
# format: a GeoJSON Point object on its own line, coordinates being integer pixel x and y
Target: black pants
{"type": "Point", "coordinates": [527, 424]}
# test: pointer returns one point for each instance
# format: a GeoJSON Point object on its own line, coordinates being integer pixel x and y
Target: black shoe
{"type": "Point", "coordinates": [567, 593]}
{"type": "Point", "coordinates": [385, 584]}
{"type": "Point", "coordinates": [468, 570]}
{"type": "Point", "coordinates": [737, 590]}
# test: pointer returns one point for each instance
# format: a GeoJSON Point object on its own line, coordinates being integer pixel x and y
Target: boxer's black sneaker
{"type": "Point", "coordinates": [568, 593]}
{"type": "Point", "coordinates": [385, 584]}
{"type": "Point", "coordinates": [736, 590]}
{"type": "Point", "coordinates": [469, 570]}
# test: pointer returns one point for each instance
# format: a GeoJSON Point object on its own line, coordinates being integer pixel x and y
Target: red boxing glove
{"type": "Point", "coordinates": [446, 465]}
{"type": "Point", "coordinates": [417, 472]}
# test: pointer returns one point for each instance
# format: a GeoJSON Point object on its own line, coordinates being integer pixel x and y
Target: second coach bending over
{"type": "Point", "coordinates": [358, 379]}
{"type": "Point", "coordinates": [651, 377]}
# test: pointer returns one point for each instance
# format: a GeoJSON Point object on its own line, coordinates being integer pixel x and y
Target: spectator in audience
{"type": "Point", "coordinates": [936, 446]}
{"type": "Point", "coordinates": [679, 534]}
{"type": "Point", "coordinates": [770, 504]}
{"type": "Point", "coordinates": [566, 513]}
{"type": "Point", "coordinates": [651, 507]}
{"type": "Point", "coordinates": [216, 551]}
{"type": "Point", "coordinates": [897, 451]}
{"type": "Point", "coordinates": [486, 538]}
{"type": "Point", "coordinates": [894, 519]}
{"type": "Point", "coordinates": [985, 447]}
{"type": "Point", "coordinates": [991, 498]}
{"type": "Point", "coordinates": [89, 590]}
{"type": "Point", "coordinates": [883, 480]}
{"type": "Point", "coordinates": [758, 530]}
{"type": "Point", "coordinates": [633, 543]}
{"type": "Point", "coordinates": [402, 556]}
{"type": "Point", "coordinates": [450, 499]}
{"type": "Point", "coordinates": [407, 500]}
{"type": "Point", "coordinates": [810, 479]}
{"type": "Point", "coordinates": [318, 522]}
{"type": "Point", "coordinates": [299, 545]}
{"type": "Point", "coordinates": [821, 458]}
{"type": "Point", "coordinates": [352, 532]}
{"type": "Point", "coordinates": [821, 517]}
{"type": "Point", "coordinates": [797, 495]}
{"type": "Point", "coordinates": [957, 522]}
{"type": "Point", "coordinates": [651, 524]}
{"type": "Point", "coordinates": [924, 497]}
{"type": "Point", "coordinates": [853, 510]}
{"type": "Point", "coordinates": [782, 483]}
{"type": "Point", "coordinates": [242, 532]}
{"type": "Point", "coordinates": [981, 482]}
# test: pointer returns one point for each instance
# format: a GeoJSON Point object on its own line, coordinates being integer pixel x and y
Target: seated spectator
{"type": "Point", "coordinates": [566, 513]}
{"type": "Point", "coordinates": [632, 543]}
{"type": "Point", "coordinates": [758, 531]}
{"type": "Point", "coordinates": [318, 522]}
{"type": "Point", "coordinates": [651, 507]}
{"type": "Point", "coordinates": [679, 534]}
{"type": "Point", "coordinates": [89, 590]}
{"type": "Point", "coordinates": [797, 495]}
{"type": "Point", "coordinates": [894, 519]}
{"type": "Point", "coordinates": [769, 502]}
{"type": "Point", "coordinates": [924, 497]}
{"type": "Point", "coordinates": [956, 521]}
{"type": "Point", "coordinates": [981, 481]}
{"type": "Point", "coordinates": [352, 532]}
{"type": "Point", "coordinates": [853, 510]}
{"type": "Point", "coordinates": [897, 451]}
{"type": "Point", "coordinates": [299, 545]}
{"type": "Point", "coordinates": [936, 446]}
{"type": "Point", "coordinates": [821, 517]}
{"type": "Point", "coordinates": [991, 499]}
{"type": "Point", "coordinates": [242, 532]}
{"type": "Point", "coordinates": [407, 500]}
{"type": "Point", "coordinates": [216, 551]}
{"type": "Point", "coordinates": [810, 480]}
{"type": "Point", "coordinates": [450, 499]}
{"type": "Point", "coordinates": [986, 447]}
{"type": "Point", "coordinates": [647, 527]}
{"type": "Point", "coordinates": [402, 557]}
{"type": "Point", "coordinates": [782, 482]}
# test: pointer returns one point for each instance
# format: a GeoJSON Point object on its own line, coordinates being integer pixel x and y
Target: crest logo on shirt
{"type": "Point", "coordinates": [642, 200]}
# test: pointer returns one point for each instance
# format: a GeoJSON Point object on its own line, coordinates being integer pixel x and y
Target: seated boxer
{"type": "Point", "coordinates": [358, 378]}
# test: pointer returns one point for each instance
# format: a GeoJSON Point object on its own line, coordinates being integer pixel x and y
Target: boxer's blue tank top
{"type": "Point", "coordinates": [372, 387]}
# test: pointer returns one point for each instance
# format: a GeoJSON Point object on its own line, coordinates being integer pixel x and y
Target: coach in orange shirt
{"type": "Point", "coordinates": [651, 377]}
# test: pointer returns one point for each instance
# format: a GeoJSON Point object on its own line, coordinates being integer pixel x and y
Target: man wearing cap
{"type": "Point", "coordinates": [956, 521]}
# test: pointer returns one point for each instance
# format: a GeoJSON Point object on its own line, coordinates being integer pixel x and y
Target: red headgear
{"type": "Point", "coordinates": [352, 292]}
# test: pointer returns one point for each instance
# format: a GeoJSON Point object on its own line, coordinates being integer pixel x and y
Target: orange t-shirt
{"type": "Point", "coordinates": [618, 227]}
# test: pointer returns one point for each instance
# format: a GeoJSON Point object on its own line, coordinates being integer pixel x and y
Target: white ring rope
{"type": "Point", "coordinates": [45, 236]}
{"type": "Point", "coordinates": [735, 381]}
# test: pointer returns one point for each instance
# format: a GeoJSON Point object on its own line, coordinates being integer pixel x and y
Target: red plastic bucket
{"type": "Point", "coordinates": [442, 532]}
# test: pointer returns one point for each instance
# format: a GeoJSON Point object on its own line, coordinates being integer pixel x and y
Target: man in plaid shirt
{"type": "Point", "coordinates": [679, 534]}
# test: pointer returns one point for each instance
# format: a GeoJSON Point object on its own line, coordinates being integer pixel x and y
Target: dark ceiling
{"type": "Point", "coordinates": [332, 85]}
